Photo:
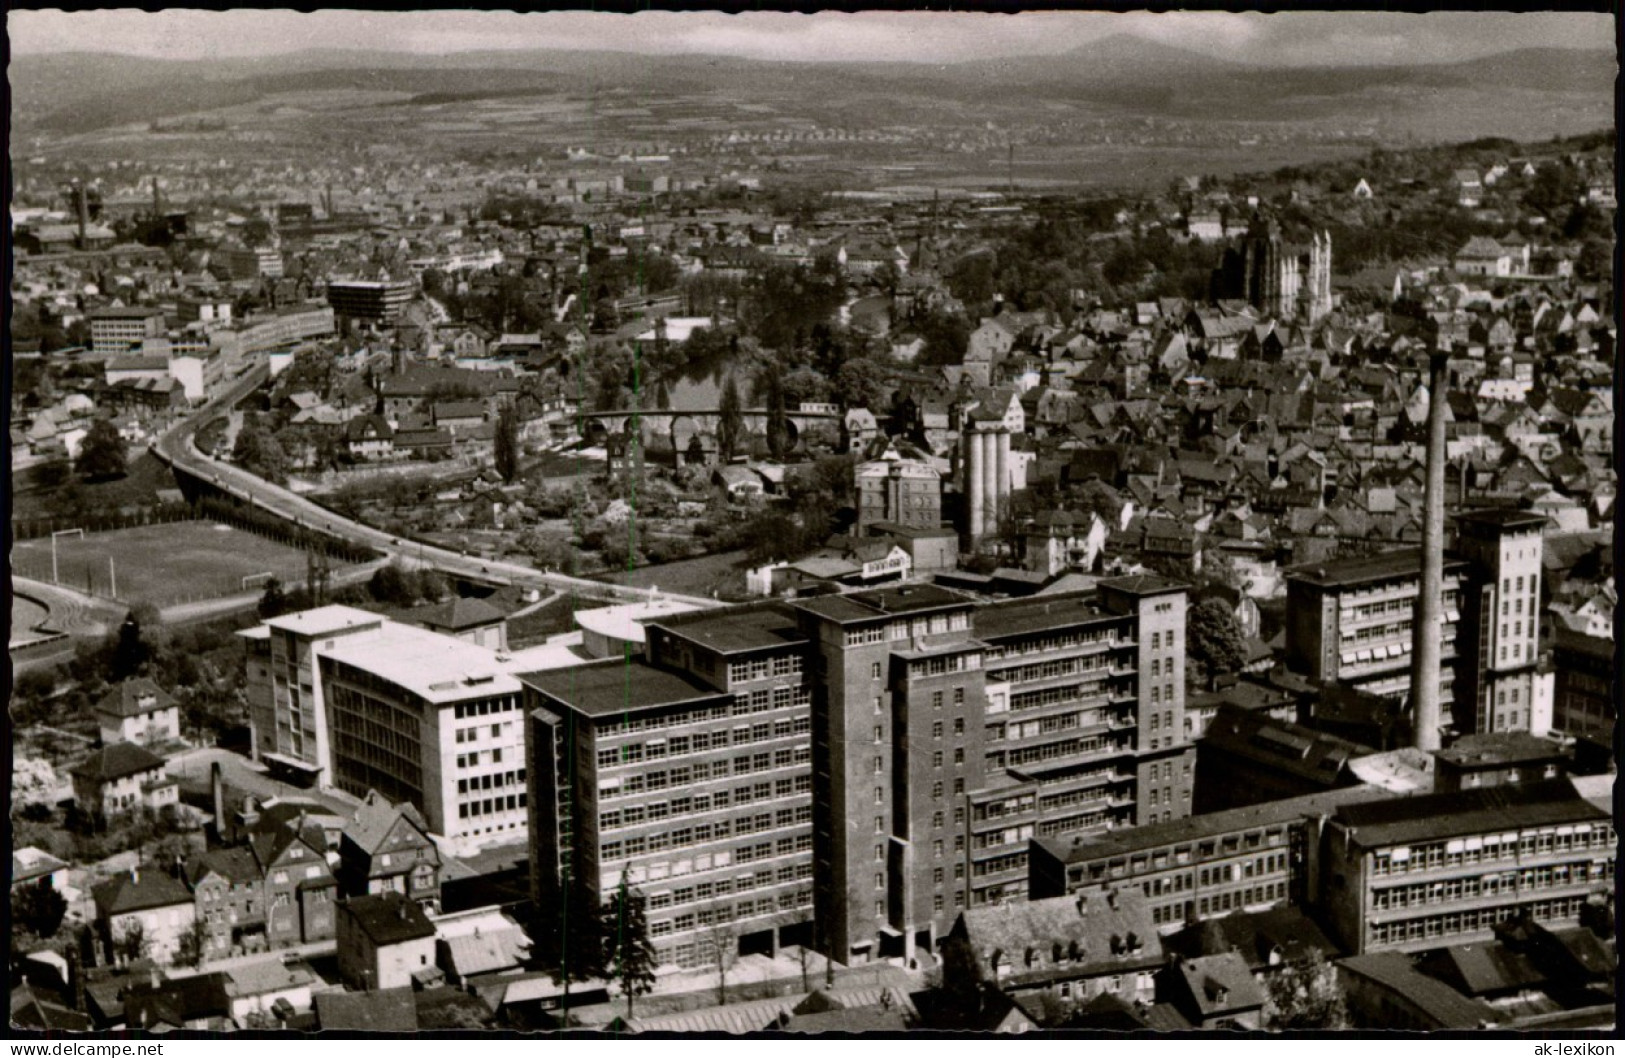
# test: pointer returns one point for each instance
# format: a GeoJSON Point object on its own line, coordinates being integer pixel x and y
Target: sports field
{"type": "Point", "coordinates": [160, 564]}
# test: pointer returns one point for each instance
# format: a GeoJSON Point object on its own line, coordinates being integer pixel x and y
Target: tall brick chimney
{"type": "Point", "coordinates": [1426, 618]}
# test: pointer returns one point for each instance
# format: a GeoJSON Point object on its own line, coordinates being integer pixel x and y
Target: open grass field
{"type": "Point", "coordinates": [161, 564]}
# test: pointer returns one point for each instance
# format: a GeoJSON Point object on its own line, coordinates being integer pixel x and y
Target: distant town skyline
{"type": "Point", "coordinates": [1290, 39]}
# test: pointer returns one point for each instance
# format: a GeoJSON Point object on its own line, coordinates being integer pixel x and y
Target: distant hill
{"type": "Point", "coordinates": [80, 92]}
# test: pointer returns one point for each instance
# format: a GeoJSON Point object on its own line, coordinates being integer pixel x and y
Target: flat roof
{"type": "Point", "coordinates": [325, 620]}
{"type": "Point", "coordinates": [1500, 747]}
{"type": "Point", "coordinates": [1038, 612]}
{"type": "Point", "coordinates": [1386, 565]}
{"type": "Point", "coordinates": [626, 622]}
{"type": "Point", "coordinates": [1503, 518]}
{"type": "Point", "coordinates": [1483, 810]}
{"type": "Point", "coordinates": [616, 686]}
{"type": "Point", "coordinates": [441, 668]}
{"type": "Point", "coordinates": [735, 630]}
{"type": "Point", "coordinates": [884, 602]}
{"type": "Point", "coordinates": [1083, 848]}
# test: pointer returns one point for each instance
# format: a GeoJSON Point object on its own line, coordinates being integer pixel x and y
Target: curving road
{"type": "Point", "coordinates": [178, 449]}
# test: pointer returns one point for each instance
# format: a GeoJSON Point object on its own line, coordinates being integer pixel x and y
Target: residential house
{"type": "Point", "coordinates": [300, 890]}
{"type": "Point", "coordinates": [476, 944]}
{"type": "Point", "coordinates": [1071, 947]}
{"type": "Point", "coordinates": [1213, 992]}
{"type": "Point", "coordinates": [228, 889]}
{"type": "Point", "coordinates": [384, 941]}
{"type": "Point", "coordinates": [31, 866]}
{"type": "Point", "coordinates": [386, 848]}
{"type": "Point", "coordinates": [138, 710]}
{"type": "Point", "coordinates": [122, 777]}
{"type": "Point", "coordinates": [369, 437]}
{"type": "Point", "coordinates": [148, 901]}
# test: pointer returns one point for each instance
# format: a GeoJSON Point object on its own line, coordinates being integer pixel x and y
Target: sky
{"type": "Point", "coordinates": [1297, 38]}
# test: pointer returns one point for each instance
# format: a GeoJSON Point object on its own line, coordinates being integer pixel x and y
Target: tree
{"type": "Point", "coordinates": [730, 420]}
{"type": "Point", "coordinates": [393, 584]}
{"type": "Point", "coordinates": [1305, 995]}
{"type": "Point", "coordinates": [1213, 642]}
{"type": "Point", "coordinates": [36, 911]}
{"type": "Point", "coordinates": [628, 953]}
{"type": "Point", "coordinates": [131, 943]}
{"type": "Point", "coordinates": [778, 421]}
{"type": "Point", "coordinates": [102, 452]}
{"type": "Point", "coordinates": [722, 945]}
{"type": "Point", "coordinates": [130, 650]}
{"type": "Point", "coordinates": [506, 443]}
{"type": "Point", "coordinates": [192, 945]}
{"type": "Point", "coordinates": [860, 383]}
{"type": "Point", "coordinates": [577, 939]}
{"type": "Point", "coordinates": [274, 603]}
{"type": "Point", "coordinates": [258, 451]}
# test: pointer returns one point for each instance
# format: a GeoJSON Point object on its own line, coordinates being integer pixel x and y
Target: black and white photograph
{"type": "Point", "coordinates": [609, 524]}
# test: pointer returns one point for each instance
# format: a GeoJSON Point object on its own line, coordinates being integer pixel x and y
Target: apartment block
{"type": "Point", "coordinates": [690, 775]}
{"type": "Point", "coordinates": [1414, 873]}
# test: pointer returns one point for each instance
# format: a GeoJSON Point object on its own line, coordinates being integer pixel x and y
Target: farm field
{"type": "Point", "coordinates": [161, 564]}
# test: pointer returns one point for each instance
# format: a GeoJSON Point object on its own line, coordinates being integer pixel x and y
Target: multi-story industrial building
{"type": "Point", "coordinates": [1422, 872]}
{"type": "Point", "coordinates": [1085, 726]}
{"type": "Point", "coordinates": [1203, 866]}
{"type": "Point", "coordinates": [252, 262]}
{"type": "Point", "coordinates": [690, 775]}
{"type": "Point", "coordinates": [370, 301]}
{"type": "Point", "coordinates": [356, 701]}
{"type": "Point", "coordinates": [1498, 684]}
{"type": "Point", "coordinates": [917, 775]}
{"type": "Point", "coordinates": [1349, 621]}
{"type": "Point", "coordinates": [119, 331]}
{"type": "Point", "coordinates": [907, 492]}
{"type": "Point", "coordinates": [1583, 698]}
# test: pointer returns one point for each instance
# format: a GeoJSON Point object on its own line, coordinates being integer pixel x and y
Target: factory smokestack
{"type": "Point", "coordinates": [1425, 628]}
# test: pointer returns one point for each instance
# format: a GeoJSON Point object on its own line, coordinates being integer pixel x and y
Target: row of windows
{"type": "Point", "coordinates": [704, 952]}
{"type": "Point", "coordinates": [762, 668]}
{"type": "Point", "coordinates": [1071, 692]}
{"type": "Point", "coordinates": [945, 665]}
{"type": "Point", "coordinates": [473, 760]}
{"type": "Point", "coordinates": [491, 782]}
{"type": "Point", "coordinates": [490, 806]}
{"type": "Point", "coordinates": [959, 699]}
{"type": "Point", "coordinates": [681, 807]}
{"type": "Point", "coordinates": [1450, 889]}
{"type": "Point", "coordinates": [1045, 644]}
{"type": "Point", "coordinates": [702, 891]}
{"type": "Point", "coordinates": [1069, 747]}
{"type": "Point", "coordinates": [702, 834]}
{"type": "Point", "coordinates": [1475, 920]}
{"type": "Point", "coordinates": [489, 707]}
{"type": "Point", "coordinates": [472, 735]}
{"type": "Point", "coordinates": [702, 771]}
{"type": "Point", "coordinates": [1491, 847]}
{"type": "Point", "coordinates": [1045, 670]}
{"type": "Point", "coordinates": [1236, 899]}
{"type": "Point", "coordinates": [706, 741]}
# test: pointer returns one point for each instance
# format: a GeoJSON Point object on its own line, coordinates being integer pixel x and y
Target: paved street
{"type": "Point", "coordinates": [177, 449]}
